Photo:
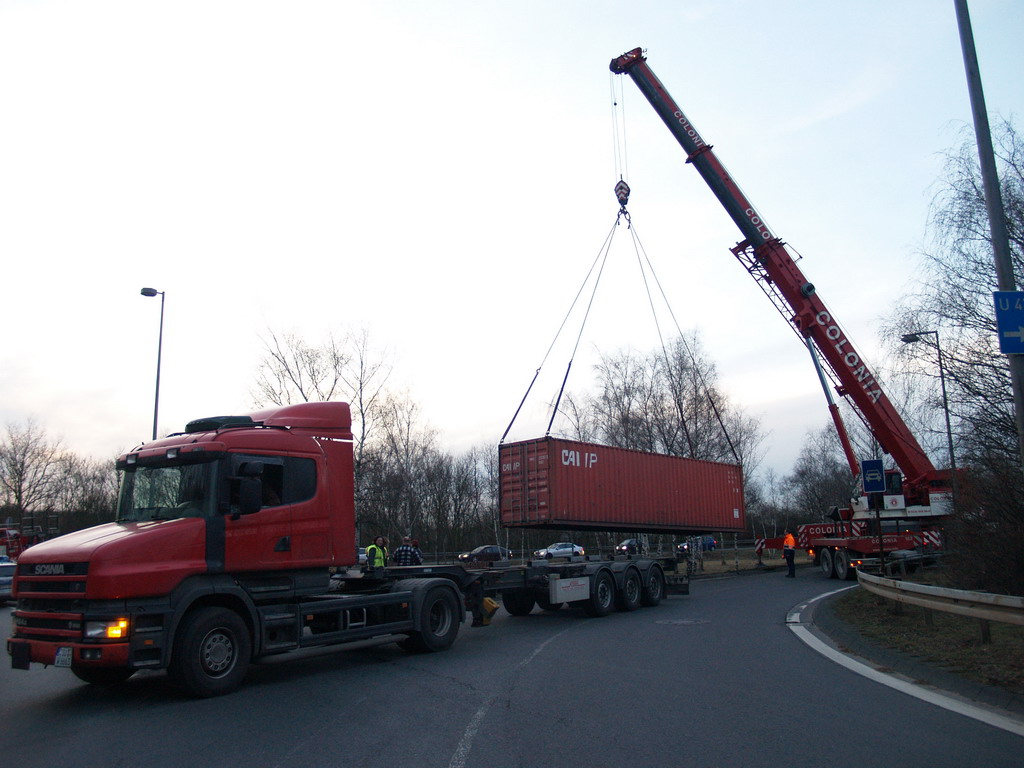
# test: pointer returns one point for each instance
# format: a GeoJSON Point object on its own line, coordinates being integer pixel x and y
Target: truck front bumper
{"type": "Point", "coordinates": [64, 654]}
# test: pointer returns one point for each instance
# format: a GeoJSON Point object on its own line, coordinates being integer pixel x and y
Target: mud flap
{"type": "Point", "coordinates": [21, 655]}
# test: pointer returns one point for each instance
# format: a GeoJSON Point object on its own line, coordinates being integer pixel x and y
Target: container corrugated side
{"type": "Point", "coordinates": [554, 483]}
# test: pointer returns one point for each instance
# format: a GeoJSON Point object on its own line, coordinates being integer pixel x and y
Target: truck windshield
{"type": "Point", "coordinates": [167, 491]}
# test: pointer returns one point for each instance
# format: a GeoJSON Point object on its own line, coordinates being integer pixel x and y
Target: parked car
{"type": "Point", "coordinates": [361, 555]}
{"type": "Point", "coordinates": [630, 547]}
{"type": "Point", "coordinates": [6, 581]}
{"type": "Point", "coordinates": [488, 553]}
{"type": "Point", "coordinates": [560, 549]}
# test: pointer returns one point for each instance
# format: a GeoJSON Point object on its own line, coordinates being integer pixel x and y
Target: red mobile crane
{"type": "Point", "coordinates": [922, 492]}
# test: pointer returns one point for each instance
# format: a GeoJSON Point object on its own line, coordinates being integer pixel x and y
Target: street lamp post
{"type": "Point", "coordinates": [910, 338]}
{"type": "Point", "coordinates": [159, 351]}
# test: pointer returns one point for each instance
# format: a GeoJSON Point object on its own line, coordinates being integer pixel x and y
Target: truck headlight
{"type": "Point", "coordinates": [114, 629]}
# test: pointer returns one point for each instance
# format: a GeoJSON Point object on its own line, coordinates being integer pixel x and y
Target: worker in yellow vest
{"type": "Point", "coordinates": [377, 554]}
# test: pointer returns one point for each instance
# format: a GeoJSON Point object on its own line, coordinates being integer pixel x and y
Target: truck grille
{"type": "Point", "coordinates": [51, 600]}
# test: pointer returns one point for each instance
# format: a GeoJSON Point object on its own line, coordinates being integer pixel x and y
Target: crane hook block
{"type": "Point", "coordinates": [622, 193]}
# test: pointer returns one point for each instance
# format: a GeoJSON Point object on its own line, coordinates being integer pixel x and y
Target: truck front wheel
{"type": "Point", "coordinates": [437, 621]}
{"type": "Point", "coordinates": [211, 652]}
{"type": "Point", "coordinates": [102, 675]}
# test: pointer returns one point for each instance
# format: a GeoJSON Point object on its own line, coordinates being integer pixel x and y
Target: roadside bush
{"type": "Point", "coordinates": [985, 539]}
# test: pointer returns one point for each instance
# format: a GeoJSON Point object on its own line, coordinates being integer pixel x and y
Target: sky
{"type": "Point", "coordinates": [440, 174]}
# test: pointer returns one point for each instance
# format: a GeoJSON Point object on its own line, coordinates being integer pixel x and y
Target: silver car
{"type": "Point", "coordinates": [6, 581]}
{"type": "Point", "coordinates": [560, 549]}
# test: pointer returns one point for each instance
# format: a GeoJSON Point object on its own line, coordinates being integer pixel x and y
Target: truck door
{"type": "Point", "coordinates": [275, 536]}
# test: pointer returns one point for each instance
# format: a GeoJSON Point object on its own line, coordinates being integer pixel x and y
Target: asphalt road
{"type": "Point", "coordinates": [714, 678]}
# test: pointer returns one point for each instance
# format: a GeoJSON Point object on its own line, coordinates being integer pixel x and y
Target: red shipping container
{"type": "Point", "coordinates": [550, 482]}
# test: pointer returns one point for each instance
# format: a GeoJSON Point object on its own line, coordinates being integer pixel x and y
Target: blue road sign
{"type": "Point", "coordinates": [1010, 321]}
{"type": "Point", "coordinates": [872, 473]}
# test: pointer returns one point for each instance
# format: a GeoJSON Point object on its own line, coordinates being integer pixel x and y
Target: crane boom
{"type": "Point", "coordinates": [768, 260]}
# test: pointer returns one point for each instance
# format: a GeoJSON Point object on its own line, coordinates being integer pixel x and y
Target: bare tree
{"type": "Point", "coordinates": [821, 477]}
{"type": "Point", "coordinates": [954, 297]}
{"type": "Point", "coordinates": [956, 281]}
{"type": "Point", "coordinates": [87, 492]}
{"type": "Point", "coordinates": [391, 498]}
{"type": "Point", "coordinates": [29, 466]}
{"type": "Point", "coordinates": [294, 370]}
{"type": "Point", "coordinates": [665, 401]}
{"type": "Point", "coordinates": [767, 506]}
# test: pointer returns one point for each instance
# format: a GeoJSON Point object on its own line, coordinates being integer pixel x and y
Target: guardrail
{"type": "Point", "coordinates": [984, 606]}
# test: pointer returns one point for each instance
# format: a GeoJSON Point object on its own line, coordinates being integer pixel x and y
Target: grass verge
{"type": "Point", "coordinates": [951, 642]}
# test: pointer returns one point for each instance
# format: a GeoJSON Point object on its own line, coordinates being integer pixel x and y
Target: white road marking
{"type": "Point", "coordinates": [929, 695]}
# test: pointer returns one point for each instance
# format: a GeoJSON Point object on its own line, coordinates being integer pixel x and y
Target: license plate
{"type": "Point", "coordinates": [63, 657]}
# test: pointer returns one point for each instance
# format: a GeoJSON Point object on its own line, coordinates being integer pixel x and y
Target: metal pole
{"type": "Point", "coordinates": [159, 353]}
{"type": "Point", "coordinates": [945, 406]}
{"type": "Point", "coordinates": [993, 201]}
{"type": "Point", "coordinates": [151, 292]}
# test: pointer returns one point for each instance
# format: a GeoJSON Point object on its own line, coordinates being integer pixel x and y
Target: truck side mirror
{"type": "Point", "coordinates": [250, 488]}
{"type": "Point", "coordinates": [250, 496]}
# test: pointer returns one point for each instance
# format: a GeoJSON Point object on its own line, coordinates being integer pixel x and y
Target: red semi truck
{"type": "Point", "coordinates": [916, 496]}
{"type": "Point", "coordinates": [223, 551]}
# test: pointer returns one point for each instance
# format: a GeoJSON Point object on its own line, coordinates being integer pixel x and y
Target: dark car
{"type": "Point", "coordinates": [706, 543]}
{"type": "Point", "coordinates": [630, 547]}
{"type": "Point", "coordinates": [489, 553]}
{"type": "Point", "coordinates": [6, 581]}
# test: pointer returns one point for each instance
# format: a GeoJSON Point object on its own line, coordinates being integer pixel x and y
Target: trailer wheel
{"type": "Point", "coordinates": [827, 564]}
{"type": "Point", "coordinates": [517, 603]}
{"type": "Point", "coordinates": [545, 604]}
{"type": "Point", "coordinates": [602, 596]}
{"type": "Point", "coordinates": [211, 652]}
{"type": "Point", "coordinates": [653, 588]}
{"type": "Point", "coordinates": [102, 675]}
{"type": "Point", "coordinates": [628, 598]}
{"type": "Point", "coordinates": [841, 562]}
{"type": "Point", "coordinates": [438, 623]}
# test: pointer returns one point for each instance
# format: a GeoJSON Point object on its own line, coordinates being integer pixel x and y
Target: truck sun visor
{"type": "Point", "coordinates": [214, 423]}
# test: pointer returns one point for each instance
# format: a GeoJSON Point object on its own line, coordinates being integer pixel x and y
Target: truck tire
{"type": "Point", "coordinates": [841, 563]}
{"type": "Point", "coordinates": [602, 595]}
{"type": "Point", "coordinates": [827, 564]}
{"type": "Point", "coordinates": [546, 605]}
{"type": "Point", "coordinates": [653, 587]}
{"type": "Point", "coordinates": [211, 652]}
{"type": "Point", "coordinates": [518, 603]}
{"type": "Point", "coordinates": [102, 675]}
{"type": "Point", "coordinates": [437, 622]}
{"type": "Point", "coordinates": [628, 598]}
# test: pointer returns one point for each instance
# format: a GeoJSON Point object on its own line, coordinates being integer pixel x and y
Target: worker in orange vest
{"type": "Point", "coordinates": [789, 552]}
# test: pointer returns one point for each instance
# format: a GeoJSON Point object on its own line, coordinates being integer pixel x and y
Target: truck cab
{"type": "Point", "coordinates": [234, 511]}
